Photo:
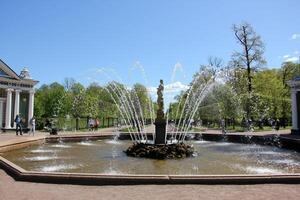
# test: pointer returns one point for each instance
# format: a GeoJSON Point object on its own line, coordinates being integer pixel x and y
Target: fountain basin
{"type": "Point", "coordinates": [113, 175]}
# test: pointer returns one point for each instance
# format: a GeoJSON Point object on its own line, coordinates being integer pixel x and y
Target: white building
{"type": "Point", "coordinates": [295, 93]}
{"type": "Point", "coordinates": [16, 96]}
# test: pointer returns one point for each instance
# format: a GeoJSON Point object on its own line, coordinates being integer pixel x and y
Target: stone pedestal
{"type": "Point", "coordinates": [160, 132]}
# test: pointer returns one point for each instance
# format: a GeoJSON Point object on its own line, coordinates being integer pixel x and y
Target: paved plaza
{"type": "Point", "coordinates": [14, 190]}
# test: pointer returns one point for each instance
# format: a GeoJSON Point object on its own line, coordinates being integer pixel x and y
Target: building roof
{"type": "Point", "coordinates": [6, 73]}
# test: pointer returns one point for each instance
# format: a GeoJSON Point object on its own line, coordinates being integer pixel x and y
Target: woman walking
{"type": "Point", "coordinates": [32, 123]}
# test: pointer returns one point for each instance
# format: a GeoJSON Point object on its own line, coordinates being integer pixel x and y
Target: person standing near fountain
{"type": "Point", "coordinates": [91, 124]}
{"type": "Point", "coordinates": [223, 126]}
{"type": "Point", "coordinates": [18, 121]}
{"type": "Point", "coordinates": [32, 123]}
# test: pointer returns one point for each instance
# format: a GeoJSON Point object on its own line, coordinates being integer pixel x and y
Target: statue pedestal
{"type": "Point", "coordinates": [160, 132]}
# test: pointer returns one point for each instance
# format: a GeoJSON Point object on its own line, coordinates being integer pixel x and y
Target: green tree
{"type": "Point", "coordinates": [270, 96]}
{"type": "Point", "coordinates": [50, 101]}
{"type": "Point", "coordinates": [78, 108]}
{"type": "Point", "coordinates": [289, 71]}
{"type": "Point", "coordinates": [250, 58]}
{"type": "Point", "coordinates": [111, 98]}
{"type": "Point", "coordinates": [227, 101]}
{"type": "Point", "coordinates": [93, 97]}
{"type": "Point", "coordinates": [141, 100]}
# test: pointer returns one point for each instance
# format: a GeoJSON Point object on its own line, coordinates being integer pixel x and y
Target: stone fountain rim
{"type": "Point", "coordinates": [20, 174]}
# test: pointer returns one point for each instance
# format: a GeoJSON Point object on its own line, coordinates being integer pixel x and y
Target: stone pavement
{"type": "Point", "coordinates": [14, 190]}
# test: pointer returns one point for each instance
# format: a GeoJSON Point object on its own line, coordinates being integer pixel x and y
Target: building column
{"type": "Point", "coordinates": [31, 106]}
{"type": "Point", "coordinates": [17, 104]}
{"type": "Point", "coordinates": [8, 108]}
{"type": "Point", "coordinates": [294, 110]}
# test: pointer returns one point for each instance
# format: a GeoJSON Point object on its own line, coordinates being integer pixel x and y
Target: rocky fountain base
{"type": "Point", "coordinates": [153, 151]}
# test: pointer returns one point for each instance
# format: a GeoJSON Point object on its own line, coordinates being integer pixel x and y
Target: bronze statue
{"type": "Point", "coordinates": [160, 102]}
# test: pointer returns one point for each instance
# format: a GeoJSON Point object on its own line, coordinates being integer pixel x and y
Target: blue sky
{"type": "Point", "coordinates": [72, 38]}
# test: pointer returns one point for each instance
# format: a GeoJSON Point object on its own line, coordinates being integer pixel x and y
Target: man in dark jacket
{"type": "Point", "coordinates": [18, 121]}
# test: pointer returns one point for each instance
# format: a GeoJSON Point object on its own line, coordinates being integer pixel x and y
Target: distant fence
{"type": "Point", "coordinates": [69, 124]}
{"type": "Point", "coordinates": [232, 122]}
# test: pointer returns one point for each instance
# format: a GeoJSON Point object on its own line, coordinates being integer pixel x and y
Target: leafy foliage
{"type": "Point", "coordinates": [246, 91]}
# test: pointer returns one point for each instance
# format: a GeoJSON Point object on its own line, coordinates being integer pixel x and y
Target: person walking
{"type": "Point", "coordinates": [18, 121]}
{"type": "Point", "coordinates": [32, 124]}
{"type": "Point", "coordinates": [277, 124]}
{"type": "Point", "coordinates": [223, 126]}
{"type": "Point", "coordinates": [91, 124]}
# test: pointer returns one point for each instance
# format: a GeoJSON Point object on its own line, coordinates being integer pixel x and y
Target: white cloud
{"type": "Point", "coordinates": [99, 70]}
{"type": "Point", "coordinates": [170, 88]}
{"type": "Point", "coordinates": [295, 36]}
{"type": "Point", "coordinates": [292, 59]}
{"type": "Point", "coordinates": [170, 91]}
{"type": "Point", "coordinates": [175, 87]}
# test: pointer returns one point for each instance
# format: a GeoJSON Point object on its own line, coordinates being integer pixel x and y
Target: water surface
{"type": "Point", "coordinates": [107, 157]}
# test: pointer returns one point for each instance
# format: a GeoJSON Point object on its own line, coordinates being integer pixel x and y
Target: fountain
{"type": "Point", "coordinates": [242, 156]}
{"type": "Point", "coordinates": [161, 149]}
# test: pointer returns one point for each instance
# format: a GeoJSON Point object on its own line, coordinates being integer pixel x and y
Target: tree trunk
{"type": "Point", "coordinates": [77, 123]}
{"type": "Point", "coordinates": [249, 77]}
{"type": "Point", "coordinates": [87, 122]}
